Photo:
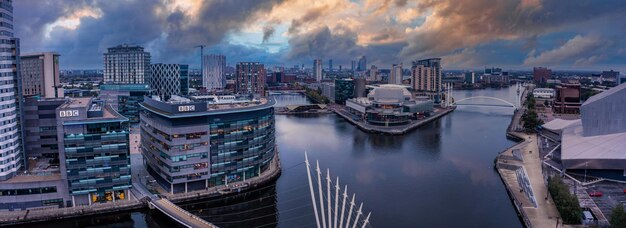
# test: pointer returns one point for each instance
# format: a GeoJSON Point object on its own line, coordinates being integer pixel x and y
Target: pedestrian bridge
{"type": "Point", "coordinates": [178, 214]}
{"type": "Point", "coordinates": [500, 102]}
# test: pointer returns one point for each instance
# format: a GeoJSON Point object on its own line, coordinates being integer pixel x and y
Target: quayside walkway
{"type": "Point", "coordinates": [178, 214]}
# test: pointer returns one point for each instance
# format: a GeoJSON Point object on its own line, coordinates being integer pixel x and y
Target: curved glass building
{"type": "Point", "coordinates": [205, 141]}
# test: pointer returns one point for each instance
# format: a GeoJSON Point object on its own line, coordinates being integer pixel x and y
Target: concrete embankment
{"type": "Point", "coordinates": [392, 130]}
{"type": "Point", "coordinates": [42, 215]}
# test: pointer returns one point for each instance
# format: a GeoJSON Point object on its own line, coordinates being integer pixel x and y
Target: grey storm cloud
{"type": "Point", "coordinates": [170, 38]}
{"type": "Point", "coordinates": [459, 30]}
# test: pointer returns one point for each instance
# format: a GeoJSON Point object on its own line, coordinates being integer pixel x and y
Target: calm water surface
{"type": "Point", "coordinates": [440, 175]}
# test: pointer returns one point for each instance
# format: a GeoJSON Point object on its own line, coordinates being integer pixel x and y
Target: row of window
{"type": "Point", "coordinates": [28, 191]}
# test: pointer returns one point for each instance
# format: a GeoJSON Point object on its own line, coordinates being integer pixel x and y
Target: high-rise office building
{"type": "Point", "coordinates": [40, 75]}
{"type": "Point", "coordinates": [373, 74]}
{"type": "Point", "coordinates": [189, 147]}
{"type": "Point", "coordinates": [330, 65]}
{"type": "Point", "coordinates": [470, 77]}
{"type": "Point", "coordinates": [250, 78]}
{"type": "Point", "coordinates": [353, 66]}
{"type": "Point", "coordinates": [541, 74]}
{"type": "Point", "coordinates": [126, 64]}
{"type": "Point", "coordinates": [426, 78]}
{"type": "Point", "coordinates": [40, 127]}
{"type": "Point", "coordinates": [362, 64]}
{"type": "Point", "coordinates": [395, 77]}
{"type": "Point", "coordinates": [170, 79]}
{"type": "Point", "coordinates": [11, 156]}
{"type": "Point", "coordinates": [317, 68]}
{"type": "Point", "coordinates": [213, 72]}
{"type": "Point", "coordinates": [94, 151]}
{"type": "Point", "coordinates": [125, 98]}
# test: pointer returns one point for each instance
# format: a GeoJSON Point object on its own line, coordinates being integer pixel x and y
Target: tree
{"type": "Point", "coordinates": [618, 216]}
{"type": "Point", "coordinates": [566, 203]}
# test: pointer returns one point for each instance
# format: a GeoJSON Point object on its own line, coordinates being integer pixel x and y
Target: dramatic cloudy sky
{"type": "Point", "coordinates": [513, 34]}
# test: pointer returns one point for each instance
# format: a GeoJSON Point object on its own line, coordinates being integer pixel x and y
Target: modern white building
{"type": "Point", "coordinates": [597, 141]}
{"type": "Point", "coordinates": [40, 75]}
{"type": "Point", "coordinates": [317, 67]}
{"type": "Point", "coordinates": [214, 67]}
{"type": "Point", "coordinates": [126, 64]}
{"type": "Point", "coordinates": [11, 156]}
{"type": "Point", "coordinates": [543, 93]}
{"type": "Point", "coordinates": [169, 80]}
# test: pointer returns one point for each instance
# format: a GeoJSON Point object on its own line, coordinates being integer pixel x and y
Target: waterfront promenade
{"type": "Point", "coordinates": [392, 130]}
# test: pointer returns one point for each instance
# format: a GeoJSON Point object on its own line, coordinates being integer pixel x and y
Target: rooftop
{"type": "Point", "coordinates": [39, 170]}
{"type": "Point", "coordinates": [576, 146]}
{"type": "Point", "coordinates": [205, 105]}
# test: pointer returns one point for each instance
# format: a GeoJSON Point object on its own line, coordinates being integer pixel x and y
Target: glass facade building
{"type": "Point", "coordinates": [125, 98]}
{"type": "Point", "coordinates": [94, 151]}
{"type": "Point", "coordinates": [203, 143]}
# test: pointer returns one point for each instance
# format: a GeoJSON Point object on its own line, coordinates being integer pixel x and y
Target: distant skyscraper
{"type": "Point", "coordinates": [250, 78]}
{"type": "Point", "coordinates": [170, 79]}
{"type": "Point", "coordinates": [353, 66]}
{"type": "Point", "coordinates": [362, 64]}
{"type": "Point", "coordinates": [330, 65]}
{"type": "Point", "coordinates": [125, 64]}
{"type": "Point", "coordinates": [317, 68]}
{"type": "Point", "coordinates": [213, 75]}
{"type": "Point", "coordinates": [11, 156]}
{"type": "Point", "coordinates": [373, 74]}
{"type": "Point", "coordinates": [40, 75]}
{"type": "Point", "coordinates": [541, 74]}
{"type": "Point", "coordinates": [396, 74]}
{"type": "Point", "coordinates": [470, 77]}
{"type": "Point", "coordinates": [426, 78]}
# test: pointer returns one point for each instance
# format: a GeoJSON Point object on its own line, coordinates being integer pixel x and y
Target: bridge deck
{"type": "Point", "coordinates": [180, 215]}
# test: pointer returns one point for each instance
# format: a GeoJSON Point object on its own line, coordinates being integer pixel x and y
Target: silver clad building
{"type": "Point", "coordinates": [40, 75]}
{"type": "Point", "coordinates": [214, 67]}
{"type": "Point", "coordinates": [126, 64]}
{"type": "Point", "coordinates": [10, 149]}
{"type": "Point", "coordinates": [205, 141]}
{"type": "Point", "coordinates": [170, 80]}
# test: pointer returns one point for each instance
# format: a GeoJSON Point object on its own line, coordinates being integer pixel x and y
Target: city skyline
{"type": "Point", "coordinates": [467, 35]}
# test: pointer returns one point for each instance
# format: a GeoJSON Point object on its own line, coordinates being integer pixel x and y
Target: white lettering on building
{"type": "Point", "coordinates": [68, 113]}
{"type": "Point", "coordinates": [187, 108]}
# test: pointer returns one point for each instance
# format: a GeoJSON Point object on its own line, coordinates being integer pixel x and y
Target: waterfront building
{"type": "Point", "coordinates": [250, 78]}
{"type": "Point", "coordinates": [192, 143]}
{"type": "Point", "coordinates": [567, 100]}
{"type": "Point", "coordinates": [169, 80]}
{"type": "Point", "coordinates": [362, 64]}
{"type": "Point", "coordinates": [40, 128]}
{"type": "Point", "coordinates": [11, 156]}
{"type": "Point", "coordinates": [94, 151]}
{"type": "Point", "coordinates": [541, 74]}
{"type": "Point", "coordinates": [396, 74]}
{"type": "Point", "coordinates": [214, 67]}
{"type": "Point", "coordinates": [470, 78]}
{"type": "Point", "coordinates": [543, 93]}
{"type": "Point", "coordinates": [40, 75]}
{"type": "Point", "coordinates": [596, 143]}
{"type": "Point", "coordinates": [426, 78]}
{"type": "Point", "coordinates": [127, 64]}
{"type": "Point", "coordinates": [389, 105]}
{"type": "Point", "coordinates": [328, 90]}
{"type": "Point", "coordinates": [125, 98]}
{"type": "Point", "coordinates": [317, 67]}
{"type": "Point", "coordinates": [344, 90]}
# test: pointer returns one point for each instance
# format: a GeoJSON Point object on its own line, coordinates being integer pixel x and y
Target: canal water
{"type": "Point", "coordinates": [440, 175]}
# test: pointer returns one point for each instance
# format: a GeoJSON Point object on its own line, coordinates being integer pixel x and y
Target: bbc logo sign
{"type": "Point", "coordinates": [68, 113]}
{"type": "Point", "coordinates": [187, 108]}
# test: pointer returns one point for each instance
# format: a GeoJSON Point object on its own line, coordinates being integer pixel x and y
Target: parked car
{"type": "Point", "coordinates": [595, 194]}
